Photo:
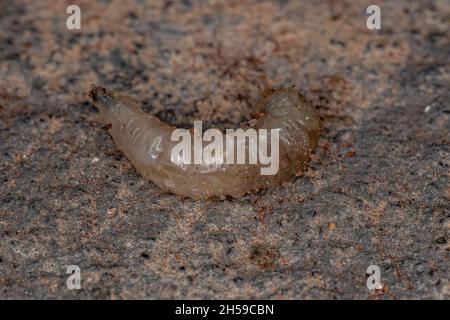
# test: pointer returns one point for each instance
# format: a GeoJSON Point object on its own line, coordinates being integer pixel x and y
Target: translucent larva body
{"type": "Point", "coordinates": [146, 142]}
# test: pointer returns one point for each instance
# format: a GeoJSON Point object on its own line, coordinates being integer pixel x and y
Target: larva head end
{"type": "Point", "coordinates": [104, 100]}
{"type": "Point", "coordinates": [93, 89]}
{"type": "Point", "coordinates": [93, 92]}
{"type": "Point", "coordinates": [100, 94]}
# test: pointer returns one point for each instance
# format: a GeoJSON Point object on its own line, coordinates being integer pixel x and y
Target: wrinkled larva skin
{"type": "Point", "coordinates": [146, 141]}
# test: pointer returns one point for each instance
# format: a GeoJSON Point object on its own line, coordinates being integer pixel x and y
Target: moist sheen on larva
{"type": "Point", "coordinates": [146, 142]}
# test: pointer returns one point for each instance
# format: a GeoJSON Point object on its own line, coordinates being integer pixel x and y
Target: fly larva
{"type": "Point", "coordinates": [146, 142]}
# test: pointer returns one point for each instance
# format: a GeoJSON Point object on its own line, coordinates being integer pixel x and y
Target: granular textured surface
{"type": "Point", "coordinates": [376, 192]}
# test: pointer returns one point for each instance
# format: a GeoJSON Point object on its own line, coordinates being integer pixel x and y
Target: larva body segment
{"type": "Point", "coordinates": [146, 142]}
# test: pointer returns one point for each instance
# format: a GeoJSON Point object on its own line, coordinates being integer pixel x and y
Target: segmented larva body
{"type": "Point", "coordinates": [146, 142]}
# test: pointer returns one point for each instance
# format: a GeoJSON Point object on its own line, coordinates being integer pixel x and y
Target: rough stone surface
{"type": "Point", "coordinates": [376, 193]}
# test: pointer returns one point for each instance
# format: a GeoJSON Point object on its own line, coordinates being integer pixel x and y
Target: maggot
{"type": "Point", "coordinates": [146, 142]}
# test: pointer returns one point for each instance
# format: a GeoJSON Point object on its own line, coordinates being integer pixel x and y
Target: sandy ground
{"type": "Point", "coordinates": [376, 192]}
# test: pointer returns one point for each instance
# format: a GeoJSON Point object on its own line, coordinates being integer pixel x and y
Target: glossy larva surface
{"type": "Point", "coordinates": [146, 142]}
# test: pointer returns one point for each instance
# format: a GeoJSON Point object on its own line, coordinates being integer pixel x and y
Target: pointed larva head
{"type": "Point", "coordinates": [101, 96]}
{"type": "Point", "coordinates": [103, 100]}
{"type": "Point", "coordinates": [112, 105]}
{"type": "Point", "coordinates": [108, 103]}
